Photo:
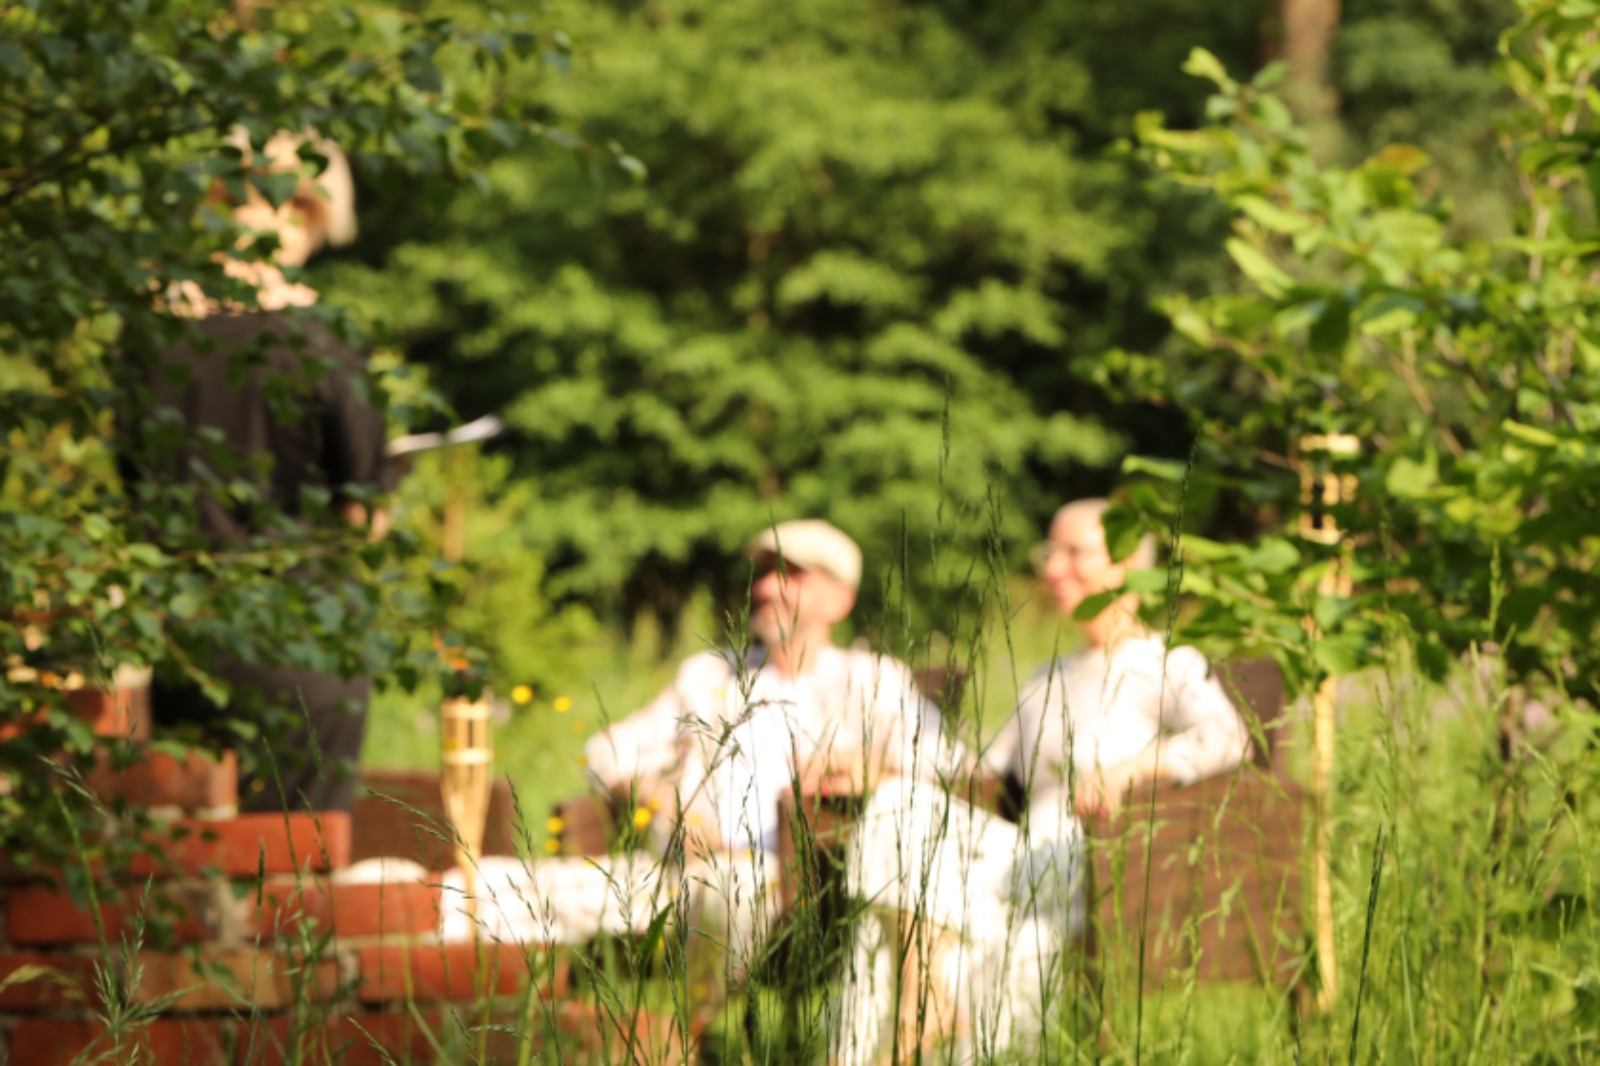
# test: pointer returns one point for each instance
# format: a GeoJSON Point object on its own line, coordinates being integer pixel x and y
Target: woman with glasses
{"type": "Point", "coordinates": [995, 904]}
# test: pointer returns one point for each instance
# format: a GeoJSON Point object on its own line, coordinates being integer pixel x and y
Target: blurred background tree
{"type": "Point", "coordinates": [866, 230]}
{"type": "Point", "coordinates": [882, 266]}
{"type": "Point", "coordinates": [1466, 368]}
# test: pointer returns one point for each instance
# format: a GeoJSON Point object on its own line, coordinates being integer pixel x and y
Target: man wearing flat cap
{"type": "Point", "coordinates": [733, 733]}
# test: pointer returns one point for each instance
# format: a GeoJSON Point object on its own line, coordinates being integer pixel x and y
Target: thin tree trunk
{"type": "Point", "coordinates": [1308, 29]}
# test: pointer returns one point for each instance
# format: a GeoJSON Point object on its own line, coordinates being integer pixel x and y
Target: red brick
{"type": "Point", "coordinates": [60, 981]}
{"type": "Point", "coordinates": [655, 1034]}
{"type": "Point", "coordinates": [38, 915]}
{"type": "Point", "coordinates": [430, 970]}
{"type": "Point", "coordinates": [194, 784]}
{"type": "Point", "coordinates": [208, 979]}
{"type": "Point", "coordinates": [239, 847]}
{"type": "Point", "coordinates": [178, 1041]}
{"type": "Point", "coordinates": [120, 712]}
{"type": "Point", "coordinates": [380, 1038]}
{"type": "Point", "coordinates": [351, 911]}
{"type": "Point", "coordinates": [365, 1038]}
{"type": "Point", "coordinates": [281, 1039]}
{"type": "Point", "coordinates": [123, 712]}
{"type": "Point", "coordinates": [400, 813]}
{"type": "Point", "coordinates": [226, 980]}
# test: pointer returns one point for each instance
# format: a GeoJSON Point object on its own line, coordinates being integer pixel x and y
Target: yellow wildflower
{"type": "Point", "coordinates": [641, 817]}
{"type": "Point", "coordinates": [555, 825]}
{"type": "Point", "coordinates": [553, 846]}
{"type": "Point", "coordinates": [521, 694]}
{"type": "Point", "coordinates": [561, 704]}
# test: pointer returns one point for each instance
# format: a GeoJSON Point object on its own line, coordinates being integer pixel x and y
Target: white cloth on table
{"type": "Point", "coordinates": [732, 899]}
{"type": "Point", "coordinates": [381, 871]}
{"type": "Point", "coordinates": [557, 900]}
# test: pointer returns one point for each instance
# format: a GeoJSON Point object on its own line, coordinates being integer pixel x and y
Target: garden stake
{"type": "Point", "coordinates": [1322, 488]}
{"type": "Point", "coordinates": [467, 760]}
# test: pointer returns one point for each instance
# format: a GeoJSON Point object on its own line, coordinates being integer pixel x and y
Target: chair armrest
{"type": "Point", "coordinates": [583, 825]}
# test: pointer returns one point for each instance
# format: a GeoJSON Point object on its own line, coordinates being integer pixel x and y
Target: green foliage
{"type": "Point", "coordinates": [1468, 366]}
{"type": "Point", "coordinates": [869, 240]}
{"type": "Point", "coordinates": [1424, 74]}
{"type": "Point", "coordinates": [113, 128]}
{"type": "Point", "coordinates": [494, 597]}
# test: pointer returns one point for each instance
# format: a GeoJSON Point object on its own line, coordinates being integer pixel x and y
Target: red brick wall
{"type": "Point", "coordinates": [242, 934]}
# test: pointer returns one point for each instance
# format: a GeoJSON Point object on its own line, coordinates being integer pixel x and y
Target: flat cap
{"type": "Point", "coordinates": [814, 544]}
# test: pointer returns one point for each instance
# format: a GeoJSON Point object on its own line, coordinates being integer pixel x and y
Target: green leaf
{"type": "Point", "coordinates": [1153, 579]}
{"type": "Point", "coordinates": [1539, 438]}
{"type": "Point", "coordinates": [1123, 531]}
{"type": "Point", "coordinates": [1259, 267]}
{"type": "Point", "coordinates": [184, 605]}
{"type": "Point", "coordinates": [1203, 64]}
{"type": "Point", "coordinates": [1165, 469]}
{"type": "Point", "coordinates": [1093, 605]}
{"type": "Point", "coordinates": [1271, 216]}
{"type": "Point", "coordinates": [654, 933]}
{"type": "Point", "coordinates": [1388, 314]}
{"type": "Point", "coordinates": [1337, 656]}
{"type": "Point", "coordinates": [1593, 173]}
{"type": "Point", "coordinates": [1189, 322]}
{"type": "Point", "coordinates": [1274, 555]}
{"type": "Point", "coordinates": [329, 611]}
{"type": "Point", "coordinates": [1412, 478]}
{"type": "Point", "coordinates": [1331, 330]}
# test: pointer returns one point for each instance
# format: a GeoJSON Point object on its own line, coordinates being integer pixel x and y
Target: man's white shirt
{"type": "Point", "coordinates": [735, 735]}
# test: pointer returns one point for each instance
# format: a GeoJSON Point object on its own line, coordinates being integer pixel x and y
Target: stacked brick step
{"type": "Point", "coordinates": [246, 939]}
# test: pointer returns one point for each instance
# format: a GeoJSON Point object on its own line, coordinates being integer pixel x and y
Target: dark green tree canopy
{"type": "Point", "coordinates": [869, 243]}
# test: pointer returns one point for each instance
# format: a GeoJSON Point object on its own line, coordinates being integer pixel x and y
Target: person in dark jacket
{"type": "Point", "coordinates": [273, 399]}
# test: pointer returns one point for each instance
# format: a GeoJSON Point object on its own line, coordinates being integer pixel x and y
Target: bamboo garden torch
{"type": "Point", "coordinates": [467, 755]}
{"type": "Point", "coordinates": [1324, 487]}
{"type": "Point", "coordinates": [467, 762]}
